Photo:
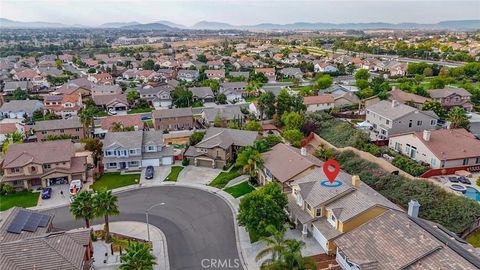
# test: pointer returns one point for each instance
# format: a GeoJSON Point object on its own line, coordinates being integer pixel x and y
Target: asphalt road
{"type": "Point", "coordinates": [198, 225]}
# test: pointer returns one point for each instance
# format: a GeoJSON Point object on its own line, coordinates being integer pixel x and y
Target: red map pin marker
{"type": "Point", "coordinates": [331, 175]}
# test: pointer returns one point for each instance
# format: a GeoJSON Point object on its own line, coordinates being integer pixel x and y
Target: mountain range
{"type": "Point", "coordinates": [209, 25]}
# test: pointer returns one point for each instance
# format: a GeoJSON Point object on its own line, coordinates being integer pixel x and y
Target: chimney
{"type": "Point", "coordinates": [426, 135]}
{"type": "Point", "coordinates": [394, 103]}
{"type": "Point", "coordinates": [303, 151]}
{"type": "Point", "coordinates": [413, 208]}
{"type": "Point", "coordinates": [356, 181]}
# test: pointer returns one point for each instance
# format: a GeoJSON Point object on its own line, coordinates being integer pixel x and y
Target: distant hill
{"type": "Point", "coordinates": [172, 24]}
{"type": "Point", "coordinates": [213, 26]}
{"type": "Point", "coordinates": [150, 26]}
{"type": "Point", "coordinates": [117, 24]}
{"type": "Point", "coordinates": [6, 23]}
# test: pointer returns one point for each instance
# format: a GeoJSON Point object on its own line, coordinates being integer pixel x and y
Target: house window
{"type": "Point", "coordinates": [77, 129]}
{"type": "Point", "coordinates": [33, 168]}
{"type": "Point", "coordinates": [44, 132]}
{"type": "Point", "coordinates": [410, 123]}
{"type": "Point", "coordinates": [133, 163]}
{"type": "Point", "coordinates": [108, 153]}
{"type": "Point", "coordinates": [309, 208]}
{"type": "Point", "coordinates": [15, 170]}
{"type": "Point", "coordinates": [397, 146]}
{"type": "Point", "coordinates": [318, 212]}
{"type": "Point", "coordinates": [133, 151]}
{"type": "Point", "coordinates": [151, 148]}
{"type": "Point", "coordinates": [465, 161]}
{"type": "Point", "coordinates": [433, 122]}
{"type": "Point", "coordinates": [433, 162]}
{"type": "Point", "coordinates": [387, 121]}
{"type": "Point", "coordinates": [112, 165]}
{"type": "Point", "coordinates": [477, 160]}
{"type": "Point", "coordinates": [419, 123]}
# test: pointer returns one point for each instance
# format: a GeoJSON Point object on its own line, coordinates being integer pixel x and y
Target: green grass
{"type": "Point", "coordinates": [115, 180]}
{"type": "Point", "coordinates": [240, 189]}
{"type": "Point", "coordinates": [474, 239]}
{"type": "Point", "coordinates": [149, 123]}
{"type": "Point", "coordinates": [140, 110]}
{"type": "Point", "coordinates": [250, 99]}
{"type": "Point", "coordinates": [173, 175]}
{"type": "Point", "coordinates": [224, 177]}
{"type": "Point", "coordinates": [20, 199]}
{"type": "Point", "coordinates": [101, 114]}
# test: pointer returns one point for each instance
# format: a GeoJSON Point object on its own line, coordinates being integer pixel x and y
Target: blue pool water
{"type": "Point", "coordinates": [472, 193]}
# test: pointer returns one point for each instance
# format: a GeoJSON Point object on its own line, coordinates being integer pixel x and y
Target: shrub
{"type": "Point", "coordinates": [478, 181]}
{"type": "Point", "coordinates": [6, 189]}
{"type": "Point", "coordinates": [185, 162]}
{"type": "Point", "coordinates": [408, 165]}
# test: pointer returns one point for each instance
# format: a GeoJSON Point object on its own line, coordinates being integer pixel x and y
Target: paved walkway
{"type": "Point", "coordinates": [238, 180]}
{"type": "Point", "coordinates": [132, 229]}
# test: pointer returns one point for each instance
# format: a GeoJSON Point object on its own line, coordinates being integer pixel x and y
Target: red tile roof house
{"type": "Point", "coordinates": [268, 72]}
{"type": "Point", "coordinates": [41, 164]}
{"type": "Point", "coordinates": [319, 103]}
{"type": "Point", "coordinates": [215, 74]}
{"type": "Point", "coordinates": [102, 78]}
{"type": "Point", "coordinates": [105, 124]}
{"type": "Point", "coordinates": [113, 103]}
{"type": "Point", "coordinates": [284, 163]}
{"type": "Point", "coordinates": [452, 97]}
{"type": "Point", "coordinates": [63, 105]}
{"type": "Point", "coordinates": [443, 148]}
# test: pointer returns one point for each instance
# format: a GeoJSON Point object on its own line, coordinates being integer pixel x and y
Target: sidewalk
{"type": "Point", "coordinates": [242, 178]}
{"type": "Point", "coordinates": [137, 230]}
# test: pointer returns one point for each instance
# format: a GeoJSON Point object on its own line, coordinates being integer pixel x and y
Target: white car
{"type": "Point", "coordinates": [75, 187]}
{"type": "Point", "coordinates": [111, 111]}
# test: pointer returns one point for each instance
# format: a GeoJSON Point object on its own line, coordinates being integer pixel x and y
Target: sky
{"type": "Point", "coordinates": [238, 12]}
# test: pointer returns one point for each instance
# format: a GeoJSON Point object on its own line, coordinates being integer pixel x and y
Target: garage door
{"type": "Point", "coordinates": [320, 238]}
{"type": "Point", "coordinates": [204, 163]}
{"type": "Point", "coordinates": [167, 160]}
{"type": "Point", "coordinates": [150, 162]}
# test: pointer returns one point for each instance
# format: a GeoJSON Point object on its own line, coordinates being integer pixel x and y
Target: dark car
{"type": "Point", "coordinates": [464, 180]}
{"type": "Point", "coordinates": [453, 179]}
{"type": "Point", "coordinates": [146, 117]}
{"type": "Point", "coordinates": [149, 172]}
{"type": "Point", "coordinates": [46, 193]}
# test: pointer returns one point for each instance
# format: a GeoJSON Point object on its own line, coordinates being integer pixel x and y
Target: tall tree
{"type": "Point", "coordinates": [458, 118]}
{"type": "Point", "coordinates": [266, 104]}
{"type": "Point", "coordinates": [283, 102]}
{"type": "Point", "coordinates": [182, 98]}
{"type": "Point", "coordinates": [83, 207]}
{"type": "Point", "coordinates": [249, 159]}
{"type": "Point", "coordinates": [106, 204]}
{"type": "Point", "coordinates": [19, 94]}
{"type": "Point", "coordinates": [435, 106]}
{"type": "Point", "coordinates": [362, 74]}
{"type": "Point", "coordinates": [275, 245]}
{"type": "Point", "coordinates": [86, 118]}
{"type": "Point", "coordinates": [323, 82]}
{"type": "Point", "coordinates": [137, 256]}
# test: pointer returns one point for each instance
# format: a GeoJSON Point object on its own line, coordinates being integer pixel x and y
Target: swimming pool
{"type": "Point", "coordinates": [472, 193]}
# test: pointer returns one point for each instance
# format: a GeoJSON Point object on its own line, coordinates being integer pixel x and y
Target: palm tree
{"type": "Point", "coordinates": [249, 159]}
{"type": "Point", "coordinates": [116, 127]}
{"type": "Point", "coordinates": [292, 257]}
{"type": "Point", "coordinates": [83, 207]}
{"type": "Point", "coordinates": [15, 137]}
{"type": "Point", "coordinates": [86, 118]}
{"type": "Point", "coordinates": [275, 246]}
{"type": "Point", "coordinates": [106, 205]}
{"type": "Point", "coordinates": [458, 117]}
{"type": "Point", "coordinates": [137, 257]}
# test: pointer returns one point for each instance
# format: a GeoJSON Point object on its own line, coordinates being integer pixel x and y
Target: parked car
{"type": "Point", "coordinates": [75, 187]}
{"type": "Point", "coordinates": [149, 172]}
{"type": "Point", "coordinates": [453, 179]}
{"type": "Point", "coordinates": [146, 117]}
{"type": "Point", "coordinates": [464, 180]}
{"type": "Point", "coordinates": [46, 193]}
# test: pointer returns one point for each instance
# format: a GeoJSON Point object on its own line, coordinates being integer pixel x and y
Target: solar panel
{"type": "Point", "coordinates": [33, 222]}
{"type": "Point", "coordinates": [44, 221]}
{"type": "Point", "coordinates": [18, 222]}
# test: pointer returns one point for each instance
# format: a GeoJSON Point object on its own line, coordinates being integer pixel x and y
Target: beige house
{"type": "Point", "coordinates": [443, 148]}
{"type": "Point", "coordinates": [219, 146]}
{"type": "Point", "coordinates": [284, 163]}
{"type": "Point", "coordinates": [319, 103]}
{"type": "Point", "coordinates": [173, 119]}
{"type": "Point", "coordinates": [41, 164]}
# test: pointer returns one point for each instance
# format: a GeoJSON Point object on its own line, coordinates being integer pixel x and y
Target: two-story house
{"type": "Point", "coordinates": [233, 90]}
{"type": "Point", "coordinates": [391, 118]}
{"type": "Point", "coordinates": [219, 146]}
{"type": "Point", "coordinates": [327, 210]}
{"type": "Point", "coordinates": [43, 130]}
{"type": "Point", "coordinates": [443, 148]}
{"type": "Point", "coordinates": [132, 150]}
{"type": "Point", "coordinates": [188, 75]}
{"type": "Point", "coordinates": [452, 97]}
{"type": "Point", "coordinates": [98, 90]}
{"type": "Point", "coordinates": [284, 163]}
{"type": "Point", "coordinates": [321, 102]}
{"type": "Point", "coordinates": [158, 97]}
{"type": "Point", "coordinates": [407, 98]}
{"type": "Point", "coordinates": [63, 105]}
{"type": "Point", "coordinates": [215, 74]}
{"type": "Point", "coordinates": [395, 240]}
{"type": "Point", "coordinates": [41, 164]}
{"type": "Point", "coordinates": [173, 119]}
{"type": "Point", "coordinates": [203, 94]}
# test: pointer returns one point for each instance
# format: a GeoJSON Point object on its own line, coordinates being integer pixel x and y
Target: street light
{"type": "Point", "coordinates": [146, 214]}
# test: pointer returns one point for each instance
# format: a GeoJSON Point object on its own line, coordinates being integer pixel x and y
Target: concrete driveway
{"type": "Point", "coordinates": [57, 198]}
{"type": "Point", "coordinates": [198, 225]}
{"type": "Point", "coordinates": [197, 175]}
{"type": "Point", "coordinates": [159, 174]}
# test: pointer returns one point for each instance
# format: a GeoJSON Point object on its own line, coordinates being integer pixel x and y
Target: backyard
{"type": "Point", "coordinates": [224, 177]}
{"type": "Point", "coordinates": [173, 175]}
{"type": "Point", "coordinates": [20, 199]}
{"type": "Point", "coordinates": [240, 189]}
{"type": "Point", "coordinates": [115, 180]}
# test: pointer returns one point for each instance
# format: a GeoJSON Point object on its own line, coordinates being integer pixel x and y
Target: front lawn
{"type": "Point", "coordinates": [21, 199]}
{"type": "Point", "coordinates": [224, 177]}
{"type": "Point", "coordinates": [474, 239]}
{"type": "Point", "coordinates": [115, 180]}
{"type": "Point", "coordinates": [173, 175]}
{"type": "Point", "coordinates": [240, 189]}
{"type": "Point", "coordinates": [139, 110]}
